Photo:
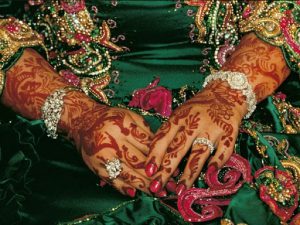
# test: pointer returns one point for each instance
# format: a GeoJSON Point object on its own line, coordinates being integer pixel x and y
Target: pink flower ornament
{"type": "Point", "coordinates": [153, 97]}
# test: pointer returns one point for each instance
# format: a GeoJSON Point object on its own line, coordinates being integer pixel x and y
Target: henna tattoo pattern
{"type": "Point", "coordinates": [93, 127]}
{"type": "Point", "coordinates": [264, 65]}
{"type": "Point", "coordinates": [194, 163]}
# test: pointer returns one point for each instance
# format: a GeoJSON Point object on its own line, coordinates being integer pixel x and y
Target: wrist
{"type": "Point", "coordinates": [76, 106]}
{"type": "Point", "coordinates": [224, 94]}
{"type": "Point", "coordinates": [239, 83]}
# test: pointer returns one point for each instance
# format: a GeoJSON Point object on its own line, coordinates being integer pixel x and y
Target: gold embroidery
{"type": "Point", "coordinates": [276, 23]}
{"type": "Point", "coordinates": [292, 165]}
{"type": "Point", "coordinates": [289, 115]}
{"type": "Point", "coordinates": [14, 35]}
{"type": "Point", "coordinates": [78, 45]}
{"type": "Point", "coordinates": [229, 222]}
{"type": "Point", "coordinates": [215, 21]}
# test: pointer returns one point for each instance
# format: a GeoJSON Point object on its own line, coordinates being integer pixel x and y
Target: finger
{"type": "Point", "coordinates": [224, 151]}
{"type": "Point", "coordinates": [139, 138]}
{"type": "Point", "coordinates": [134, 179]}
{"type": "Point", "coordinates": [171, 186]}
{"type": "Point", "coordinates": [127, 175]}
{"type": "Point", "coordinates": [141, 122]}
{"type": "Point", "coordinates": [175, 152]}
{"type": "Point", "coordinates": [117, 183]}
{"type": "Point", "coordinates": [134, 159]}
{"type": "Point", "coordinates": [195, 163]}
{"type": "Point", "coordinates": [124, 188]}
{"type": "Point", "coordinates": [158, 146]}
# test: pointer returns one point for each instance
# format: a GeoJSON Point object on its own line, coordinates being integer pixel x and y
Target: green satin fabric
{"type": "Point", "coordinates": [158, 38]}
{"type": "Point", "coordinates": [44, 181]}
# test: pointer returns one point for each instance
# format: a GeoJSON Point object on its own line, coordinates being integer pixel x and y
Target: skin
{"type": "Point", "coordinates": [101, 133]}
{"type": "Point", "coordinates": [214, 113]}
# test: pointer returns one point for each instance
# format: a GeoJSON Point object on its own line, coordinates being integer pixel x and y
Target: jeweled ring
{"type": "Point", "coordinates": [113, 168]}
{"type": "Point", "coordinates": [205, 141]}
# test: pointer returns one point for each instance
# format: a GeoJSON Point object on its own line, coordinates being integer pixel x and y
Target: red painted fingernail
{"type": "Point", "coordinates": [161, 194]}
{"type": "Point", "coordinates": [155, 186]}
{"type": "Point", "coordinates": [180, 188]}
{"type": "Point", "coordinates": [151, 169]}
{"type": "Point", "coordinates": [212, 167]}
{"type": "Point", "coordinates": [102, 183]}
{"type": "Point", "coordinates": [171, 186]}
{"type": "Point", "coordinates": [176, 172]}
{"type": "Point", "coordinates": [131, 192]}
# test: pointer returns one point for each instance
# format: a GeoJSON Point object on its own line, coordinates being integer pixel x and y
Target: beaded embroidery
{"type": "Point", "coordinates": [77, 46]}
{"type": "Point", "coordinates": [220, 22]}
{"type": "Point", "coordinates": [276, 23]}
{"type": "Point", "coordinates": [14, 35]}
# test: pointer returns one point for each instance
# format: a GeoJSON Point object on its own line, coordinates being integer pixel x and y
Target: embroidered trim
{"type": "Point", "coordinates": [77, 46]}
{"type": "Point", "coordinates": [276, 23]}
{"type": "Point", "coordinates": [14, 35]}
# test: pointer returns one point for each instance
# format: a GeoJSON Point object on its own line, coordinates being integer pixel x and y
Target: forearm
{"type": "Point", "coordinates": [31, 80]}
{"type": "Point", "coordinates": [263, 64]}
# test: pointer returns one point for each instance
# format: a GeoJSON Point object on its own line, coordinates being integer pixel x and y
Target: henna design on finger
{"type": "Point", "coordinates": [132, 159]}
{"type": "Point", "coordinates": [118, 119]}
{"type": "Point", "coordinates": [194, 163]}
{"type": "Point", "coordinates": [164, 129]}
{"type": "Point", "coordinates": [138, 135]}
{"type": "Point", "coordinates": [133, 180]}
{"type": "Point", "coordinates": [190, 124]}
{"type": "Point", "coordinates": [97, 141]}
{"type": "Point", "coordinates": [221, 157]}
{"type": "Point", "coordinates": [181, 113]}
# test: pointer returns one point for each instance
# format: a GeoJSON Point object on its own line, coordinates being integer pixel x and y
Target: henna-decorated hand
{"type": "Point", "coordinates": [106, 133]}
{"type": "Point", "coordinates": [215, 113]}
{"type": "Point", "coordinates": [100, 132]}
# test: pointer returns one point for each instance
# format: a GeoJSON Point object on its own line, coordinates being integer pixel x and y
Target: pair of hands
{"type": "Point", "coordinates": [149, 160]}
{"type": "Point", "coordinates": [103, 133]}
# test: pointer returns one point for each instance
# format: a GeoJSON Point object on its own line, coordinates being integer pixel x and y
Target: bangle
{"type": "Point", "coordinates": [237, 81]}
{"type": "Point", "coordinates": [52, 108]}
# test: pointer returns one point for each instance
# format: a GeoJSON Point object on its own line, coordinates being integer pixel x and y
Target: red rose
{"type": "Point", "coordinates": [153, 97]}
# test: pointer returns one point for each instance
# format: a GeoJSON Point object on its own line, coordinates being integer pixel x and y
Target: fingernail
{"type": "Point", "coordinates": [212, 167]}
{"type": "Point", "coordinates": [155, 186]}
{"type": "Point", "coordinates": [102, 183]}
{"type": "Point", "coordinates": [171, 186]}
{"type": "Point", "coordinates": [131, 192]}
{"type": "Point", "coordinates": [151, 169]}
{"type": "Point", "coordinates": [161, 194]}
{"type": "Point", "coordinates": [176, 172]}
{"type": "Point", "coordinates": [180, 188]}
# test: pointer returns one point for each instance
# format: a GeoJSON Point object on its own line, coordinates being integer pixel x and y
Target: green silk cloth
{"type": "Point", "coordinates": [44, 181]}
